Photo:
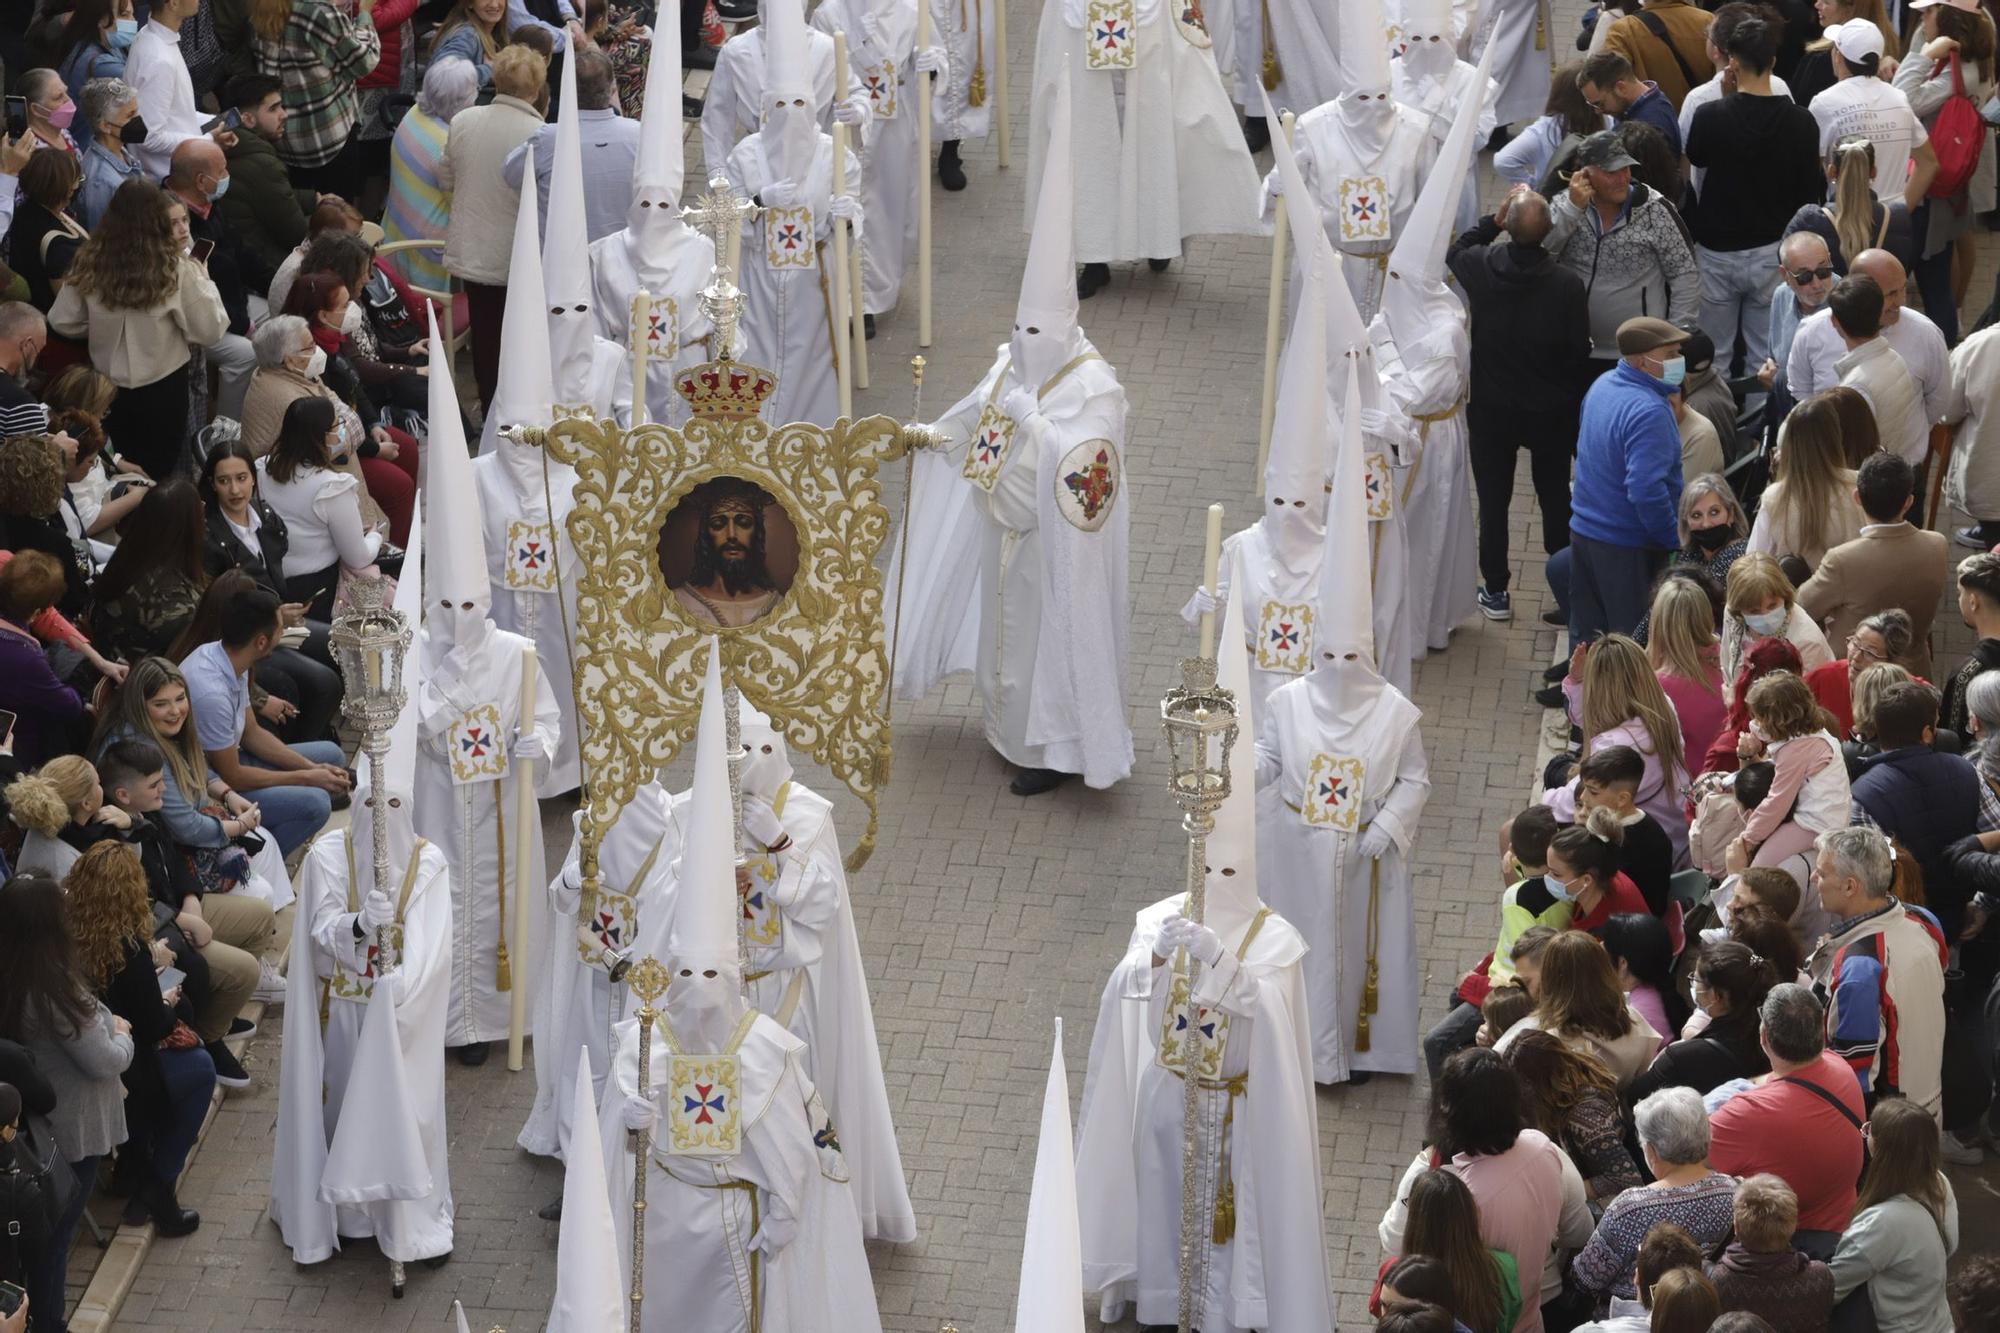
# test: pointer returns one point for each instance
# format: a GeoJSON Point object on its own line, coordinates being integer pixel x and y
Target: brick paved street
{"type": "Point", "coordinates": [981, 915]}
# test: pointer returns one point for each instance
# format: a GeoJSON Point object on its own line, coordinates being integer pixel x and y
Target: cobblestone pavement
{"type": "Point", "coordinates": [981, 915]}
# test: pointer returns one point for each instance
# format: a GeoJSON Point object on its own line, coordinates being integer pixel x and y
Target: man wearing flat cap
{"type": "Point", "coordinates": [1623, 505]}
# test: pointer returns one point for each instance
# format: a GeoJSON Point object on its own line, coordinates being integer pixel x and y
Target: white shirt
{"type": "Point", "coordinates": [1866, 105]}
{"type": "Point", "coordinates": [1817, 346]}
{"type": "Point", "coordinates": [1700, 96]}
{"type": "Point", "coordinates": [159, 75]}
{"type": "Point", "coordinates": [322, 513]}
{"type": "Point", "coordinates": [1878, 372]}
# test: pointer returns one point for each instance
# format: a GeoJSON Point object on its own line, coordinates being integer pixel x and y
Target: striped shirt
{"type": "Point", "coordinates": [418, 207]}
{"type": "Point", "coordinates": [20, 413]}
{"type": "Point", "coordinates": [317, 60]}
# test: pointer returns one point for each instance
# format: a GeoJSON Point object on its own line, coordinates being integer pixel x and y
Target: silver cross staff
{"type": "Point", "coordinates": [720, 213]}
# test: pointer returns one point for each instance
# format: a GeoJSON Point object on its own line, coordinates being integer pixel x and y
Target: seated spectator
{"type": "Point", "coordinates": [1705, 393]}
{"type": "Point", "coordinates": [1809, 792]}
{"type": "Point", "coordinates": [320, 505]}
{"type": "Point", "coordinates": [1643, 958]}
{"type": "Point", "coordinates": [70, 654]}
{"type": "Point", "coordinates": [263, 208]}
{"type": "Point", "coordinates": [1530, 1197]}
{"type": "Point", "coordinates": [293, 786]}
{"type": "Point", "coordinates": [1444, 1259]}
{"type": "Point", "coordinates": [90, 508]}
{"type": "Point", "coordinates": [113, 110]}
{"type": "Point", "coordinates": [142, 302]}
{"type": "Point", "coordinates": [1714, 532]}
{"type": "Point", "coordinates": [275, 692]}
{"type": "Point", "coordinates": [1809, 508]}
{"type": "Point", "coordinates": [1686, 655]}
{"type": "Point", "coordinates": [1615, 698]}
{"type": "Point", "coordinates": [1609, 778]}
{"type": "Point", "coordinates": [1891, 565]}
{"type": "Point", "coordinates": [229, 930]}
{"type": "Point", "coordinates": [23, 334]}
{"type": "Point", "coordinates": [1524, 904]}
{"type": "Point", "coordinates": [292, 367]}
{"type": "Point", "coordinates": [1760, 1272]}
{"type": "Point", "coordinates": [1923, 799]}
{"type": "Point", "coordinates": [1504, 1007]}
{"type": "Point", "coordinates": [45, 236]}
{"type": "Point", "coordinates": [93, 42]}
{"type": "Point", "coordinates": [1584, 869]}
{"type": "Point", "coordinates": [1723, 803]}
{"type": "Point", "coordinates": [1729, 983]}
{"type": "Point", "coordinates": [1579, 1002]}
{"type": "Point", "coordinates": [1762, 657]}
{"type": "Point", "coordinates": [31, 498]}
{"type": "Point", "coordinates": [1801, 1122]}
{"type": "Point", "coordinates": [1674, 1134]}
{"type": "Point", "coordinates": [171, 1080]}
{"type": "Point", "coordinates": [1886, 636]}
{"type": "Point", "coordinates": [147, 594]}
{"type": "Point", "coordinates": [418, 207]}
{"type": "Point", "coordinates": [1786, 897]}
{"type": "Point", "coordinates": [1763, 605]}
{"type": "Point", "coordinates": [48, 714]}
{"type": "Point", "coordinates": [50, 110]}
{"type": "Point", "coordinates": [474, 31]}
{"type": "Point", "coordinates": [1570, 1096]}
{"type": "Point", "coordinates": [60, 809]}
{"type": "Point", "coordinates": [330, 214]}
{"type": "Point", "coordinates": [1881, 969]}
{"type": "Point", "coordinates": [364, 321]}
{"type": "Point", "coordinates": [77, 1044]}
{"type": "Point", "coordinates": [1905, 1225]}
{"type": "Point", "coordinates": [1666, 1249]}
{"type": "Point", "coordinates": [1684, 1301]}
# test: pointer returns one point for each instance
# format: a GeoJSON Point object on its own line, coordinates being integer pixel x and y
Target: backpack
{"type": "Point", "coordinates": [1958, 137]}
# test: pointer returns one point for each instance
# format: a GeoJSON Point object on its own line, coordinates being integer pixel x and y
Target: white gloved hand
{"type": "Point", "coordinates": [777, 1231]}
{"type": "Point", "coordinates": [1375, 843]}
{"type": "Point", "coordinates": [1177, 932]}
{"type": "Point", "coordinates": [761, 822]}
{"type": "Point", "coordinates": [932, 59]}
{"type": "Point", "coordinates": [1020, 403]}
{"type": "Point", "coordinates": [851, 110]}
{"type": "Point", "coordinates": [779, 194]}
{"type": "Point", "coordinates": [377, 910]}
{"type": "Point", "coordinates": [639, 1114]}
{"type": "Point", "coordinates": [1274, 183]}
{"type": "Point", "coordinates": [1374, 421]}
{"type": "Point", "coordinates": [1201, 603]}
{"type": "Point", "coordinates": [528, 747]}
{"type": "Point", "coordinates": [847, 207]}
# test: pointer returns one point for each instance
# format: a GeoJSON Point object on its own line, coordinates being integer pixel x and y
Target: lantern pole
{"type": "Point", "coordinates": [370, 641]}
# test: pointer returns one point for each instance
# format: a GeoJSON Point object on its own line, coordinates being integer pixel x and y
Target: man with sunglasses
{"type": "Point", "coordinates": [1805, 272]}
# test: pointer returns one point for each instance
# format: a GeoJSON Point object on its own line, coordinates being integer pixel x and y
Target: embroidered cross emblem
{"type": "Point", "coordinates": [1284, 636]}
{"type": "Point", "coordinates": [609, 929]}
{"type": "Point", "coordinates": [790, 237]}
{"type": "Point", "coordinates": [368, 960]}
{"type": "Point", "coordinates": [1206, 1026]}
{"type": "Point", "coordinates": [1374, 489]}
{"type": "Point", "coordinates": [1092, 485]}
{"type": "Point", "coordinates": [1332, 790]}
{"type": "Point", "coordinates": [532, 555]}
{"type": "Point", "coordinates": [656, 328]}
{"type": "Point", "coordinates": [1363, 209]}
{"type": "Point", "coordinates": [990, 443]}
{"type": "Point", "coordinates": [877, 87]}
{"type": "Point", "coordinates": [705, 1105]}
{"type": "Point", "coordinates": [753, 905]}
{"type": "Point", "coordinates": [477, 742]}
{"type": "Point", "coordinates": [1110, 33]}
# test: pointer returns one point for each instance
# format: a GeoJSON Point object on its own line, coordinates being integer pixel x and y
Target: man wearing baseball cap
{"type": "Point", "coordinates": [1625, 499]}
{"type": "Point", "coordinates": [1860, 102]}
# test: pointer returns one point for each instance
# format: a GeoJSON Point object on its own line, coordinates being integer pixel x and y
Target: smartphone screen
{"type": "Point", "coordinates": [6, 723]}
{"type": "Point", "coordinates": [171, 978]}
{"type": "Point", "coordinates": [11, 1296]}
{"type": "Point", "coordinates": [232, 119]}
{"type": "Point", "coordinates": [17, 117]}
{"type": "Point", "coordinates": [201, 250]}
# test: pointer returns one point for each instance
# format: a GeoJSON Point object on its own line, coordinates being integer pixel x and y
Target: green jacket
{"type": "Point", "coordinates": [267, 214]}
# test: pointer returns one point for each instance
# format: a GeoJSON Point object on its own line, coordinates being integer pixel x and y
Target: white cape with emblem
{"type": "Point", "coordinates": [881, 42]}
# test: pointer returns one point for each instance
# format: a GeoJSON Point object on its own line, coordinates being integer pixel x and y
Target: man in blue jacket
{"type": "Point", "coordinates": [1625, 502]}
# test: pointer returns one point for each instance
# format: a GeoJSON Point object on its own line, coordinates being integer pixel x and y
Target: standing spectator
{"type": "Point", "coordinates": [1701, 446]}
{"type": "Point", "coordinates": [1805, 272]}
{"type": "Point", "coordinates": [1973, 484]}
{"type": "Point", "coordinates": [418, 207]}
{"type": "Point", "coordinates": [1720, 25]}
{"type": "Point", "coordinates": [1565, 121]}
{"type": "Point", "coordinates": [1530, 1198]}
{"type": "Point", "coordinates": [1855, 219]}
{"type": "Point", "coordinates": [1759, 152]}
{"type": "Point", "coordinates": [1530, 346]}
{"type": "Point", "coordinates": [1628, 481]}
{"type": "Point", "coordinates": [610, 148]}
{"type": "Point", "coordinates": [292, 785]}
{"type": "Point", "coordinates": [1956, 59]}
{"type": "Point", "coordinates": [1881, 967]}
{"type": "Point", "coordinates": [1714, 533]}
{"type": "Point", "coordinates": [1570, 1096]}
{"type": "Point", "coordinates": [158, 72]}
{"type": "Point", "coordinates": [44, 239]}
{"type": "Point", "coordinates": [24, 332]}
{"type": "Point", "coordinates": [1818, 347]}
{"type": "Point", "coordinates": [1686, 656]}
{"type": "Point", "coordinates": [47, 712]}
{"type": "Point", "coordinates": [1801, 1122]}
{"type": "Point", "coordinates": [1875, 369]}
{"type": "Point", "coordinates": [382, 90]}
{"type": "Point", "coordinates": [1891, 565]}
{"type": "Point", "coordinates": [1628, 245]}
{"type": "Point", "coordinates": [94, 42]}
{"type": "Point", "coordinates": [1442, 1233]}
{"type": "Point", "coordinates": [1814, 72]}
{"type": "Point", "coordinates": [1861, 102]}
{"type": "Point", "coordinates": [1979, 608]}
{"type": "Point", "coordinates": [479, 238]}
{"type": "Point", "coordinates": [1905, 1226]}
{"type": "Point", "coordinates": [1665, 44]}
{"type": "Point", "coordinates": [1809, 508]}
{"type": "Point", "coordinates": [265, 211]}
{"type": "Point", "coordinates": [1924, 799]}
{"type": "Point", "coordinates": [1761, 1273]}
{"type": "Point", "coordinates": [141, 302]}
{"type": "Point", "coordinates": [1615, 699]}
{"type": "Point", "coordinates": [1729, 984]}
{"type": "Point", "coordinates": [113, 111]}
{"type": "Point", "coordinates": [148, 592]}
{"type": "Point", "coordinates": [200, 176]}
{"type": "Point", "coordinates": [475, 31]}
{"type": "Point", "coordinates": [317, 54]}
{"type": "Point", "coordinates": [1673, 1133]}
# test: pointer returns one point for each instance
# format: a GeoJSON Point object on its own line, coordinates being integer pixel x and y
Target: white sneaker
{"type": "Point", "coordinates": [1959, 1152]}
{"type": "Point", "coordinates": [270, 983]}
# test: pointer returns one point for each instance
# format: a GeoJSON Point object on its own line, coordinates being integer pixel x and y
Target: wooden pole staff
{"type": "Point", "coordinates": [525, 817]}
{"type": "Point", "coordinates": [649, 983]}
{"type": "Point", "coordinates": [1274, 319]}
{"type": "Point", "coordinates": [858, 336]}
{"type": "Point", "coordinates": [844, 333]}
{"type": "Point", "coordinates": [641, 331]}
{"type": "Point", "coordinates": [1003, 127]}
{"type": "Point", "coordinates": [923, 175]}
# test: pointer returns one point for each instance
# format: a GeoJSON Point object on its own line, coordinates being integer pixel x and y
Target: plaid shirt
{"type": "Point", "coordinates": [317, 59]}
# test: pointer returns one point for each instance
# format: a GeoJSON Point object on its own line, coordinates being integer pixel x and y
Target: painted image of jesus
{"type": "Point", "coordinates": [721, 541]}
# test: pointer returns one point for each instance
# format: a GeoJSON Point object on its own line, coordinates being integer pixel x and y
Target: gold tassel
{"type": "Point", "coordinates": [1274, 74]}
{"type": "Point", "coordinates": [1370, 987]}
{"type": "Point", "coordinates": [975, 88]}
{"type": "Point", "coordinates": [503, 970]}
{"type": "Point", "coordinates": [1224, 1229]}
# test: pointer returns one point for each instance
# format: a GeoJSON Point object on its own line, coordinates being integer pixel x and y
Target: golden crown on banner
{"type": "Point", "coordinates": [726, 388]}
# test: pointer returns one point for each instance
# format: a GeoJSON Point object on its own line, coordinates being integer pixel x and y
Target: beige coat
{"type": "Point", "coordinates": [1888, 566]}
{"type": "Point", "coordinates": [275, 388]}
{"type": "Point", "coordinates": [1973, 483]}
{"type": "Point", "coordinates": [479, 236]}
{"type": "Point", "coordinates": [140, 347]}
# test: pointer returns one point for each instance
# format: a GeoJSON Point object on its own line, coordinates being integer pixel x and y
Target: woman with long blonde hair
{"type": "Point", "coordinates": [53, 806]}
{"type": "Point", "coordinates": [1686, 655]}
{"type": "Point", "coordinates": [1615, 697]}
{"type": "Point", "coordinates": [1852, 218]}
{"type": "Point", "coordinates": [1809, 507]}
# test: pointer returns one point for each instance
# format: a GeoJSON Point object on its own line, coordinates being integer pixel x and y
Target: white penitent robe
{"type": "Point", "coordinates": [1025, 583]}
{"type": "Point", "coordinates": [361, 1123]}
{"type": "Point", "coordinates": [1365, 190]}
{"type": "Point", "coordinates": [467, 713]}
{"type": "Point", "coordinates": [533, 571]}
{"type": "Point", "coordinates": [965, 29]}
{"type": "Point", "coordinates": [672, 272]}
{"type": "Point", "coordinates": [1438, 100]}
{"type": "Point", "coordinates": [701, 1212]}
{"type": "Point", "coordinates": [1527, 37]}
{"type": "Point", "coordinates": [1312, 755]}
{"type": "Point", "coordinates": [1271, 1274]}
{"type": "Point", "coordinates": [881, 53]}
{"type": "Point", "coordinates": [733, 106]}
{"type": "Point", "coordinates": [1298, 41]}
{"type": "Point", "coordinates": [787, 295]}
{"type": "Point", "coordinates": [577, 1002]}
{"type": "Point", "coordinates": [1426, 385]}
{"type": "Point", "coordinates": [1156, 149]}
{"type": "Point", "coordinates": [1275, 605]}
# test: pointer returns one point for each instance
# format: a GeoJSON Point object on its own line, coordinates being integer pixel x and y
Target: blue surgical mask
{"type": "Point", "coordinates": [1767, 623]}
{"type": "Point", "coordinates": [221, 188]}
{"type": "Point", "coordinates": [1673, 371]}
{"type": "Point", "coordinates": [122, 33]}
{"type": "Point", "coordinates": [1558, 888]}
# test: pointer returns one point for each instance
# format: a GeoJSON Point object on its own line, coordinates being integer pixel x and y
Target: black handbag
{"type": "Point", "coordinates": [36, 1150]}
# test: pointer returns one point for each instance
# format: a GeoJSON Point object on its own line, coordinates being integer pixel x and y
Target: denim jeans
{"type": "Point", "coordinates": [1736, 288]}
{"type": "Point", "coordinates": [1610, 586]}
{"type": "Point", "coordinates": [292, 814]}
{"type": "Point", "coordinates": [1453, 1033]}
{"type": "Point", "coordinates": [190, 1080]}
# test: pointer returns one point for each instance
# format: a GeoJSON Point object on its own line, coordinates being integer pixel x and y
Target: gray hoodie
{"type": "Point", "coordinates": [1643, 265]}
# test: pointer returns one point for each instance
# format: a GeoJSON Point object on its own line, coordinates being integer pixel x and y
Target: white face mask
{"type": "Point", "coordinates": [1767, 622]}
{"type": "Point", "coordinates": [315, 364]}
